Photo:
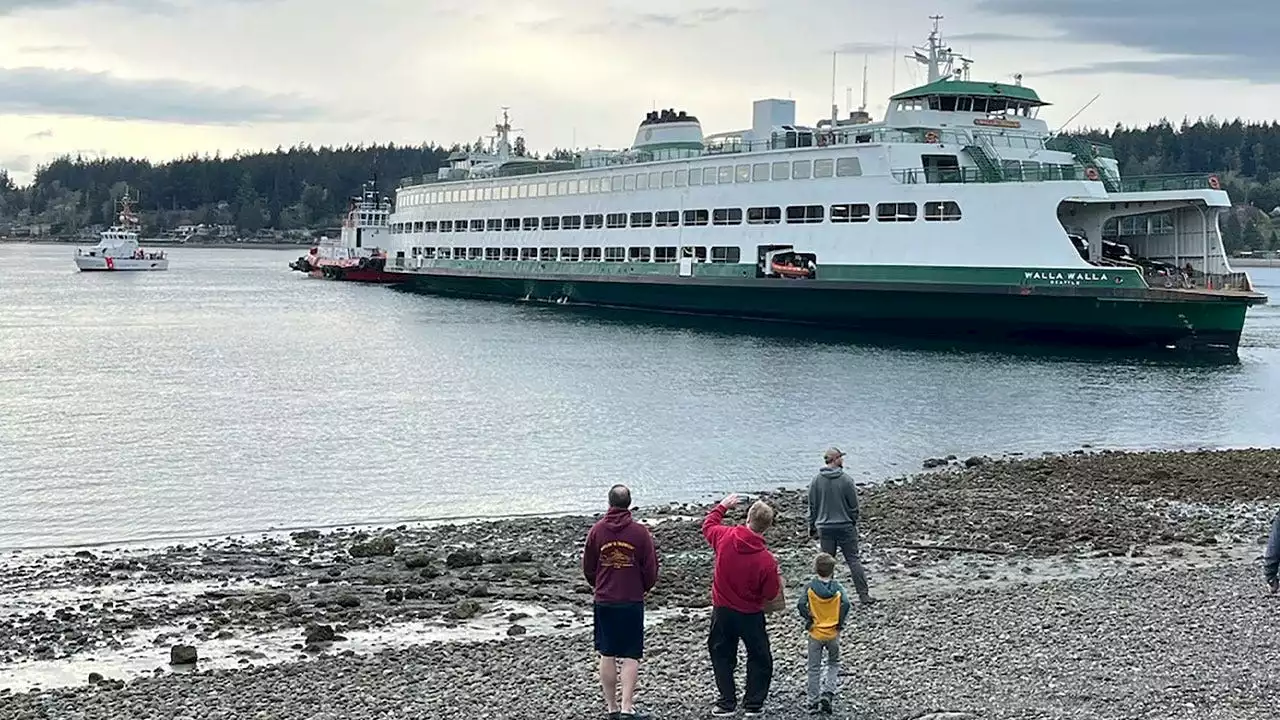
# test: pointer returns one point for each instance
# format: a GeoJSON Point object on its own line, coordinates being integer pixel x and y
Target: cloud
{"type": "Point", "coordinates": [19, 164]}
{"type": "Point", "coordinates": [1237, 41]}
{"type": "Point", "coordinates": [41, 135]}
{"type": "Point", "coordinates": [80, 93]}
{"type": "Point", "coordinates": [639, 22]}
{"type": "Point", "coordinates": [50, 49]}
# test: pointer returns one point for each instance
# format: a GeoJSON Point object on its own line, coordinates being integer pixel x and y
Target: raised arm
{"type": "Point", "coordinates": [713, 526]}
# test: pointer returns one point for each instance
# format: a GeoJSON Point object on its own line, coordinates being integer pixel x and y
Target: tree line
{"type": "Point", "coordinates": [305, 187]}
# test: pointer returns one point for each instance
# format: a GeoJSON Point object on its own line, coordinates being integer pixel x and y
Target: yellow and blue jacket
{"type": "Point", "coordinates": [824, 607]}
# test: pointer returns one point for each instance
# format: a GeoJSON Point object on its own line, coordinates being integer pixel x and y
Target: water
{"type": "Point", "coordinates": [230, 395]}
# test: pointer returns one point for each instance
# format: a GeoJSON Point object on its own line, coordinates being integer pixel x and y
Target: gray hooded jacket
{"type": "Point", "coordinates": [1271, 558]}
{"type": "Point", "coordinates": [833, 499]}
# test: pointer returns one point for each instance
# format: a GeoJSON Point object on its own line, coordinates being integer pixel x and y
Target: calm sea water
{"type": "Point", "coordinates": [230, 395]}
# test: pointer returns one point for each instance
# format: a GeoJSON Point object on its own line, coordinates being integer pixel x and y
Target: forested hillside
{"type": "Point", "coordinates": [304, 187]}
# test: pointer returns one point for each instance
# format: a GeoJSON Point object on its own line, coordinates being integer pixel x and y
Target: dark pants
{"type": "Point", "coordinates": [727, 628]}
{"type": "Point", "coordinates": [845, 537]}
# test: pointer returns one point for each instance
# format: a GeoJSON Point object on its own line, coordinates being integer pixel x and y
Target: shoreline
{"type": "Point", "coordinates": [961, 558]}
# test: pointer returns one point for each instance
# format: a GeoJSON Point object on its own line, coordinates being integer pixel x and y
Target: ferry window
{"type": "Point", "coordinates": [509, 224]}
{"type": "Point", "coordinates": [364, 218]}
{"type": "Point", "coordinates": [726, 216]}
{"type": "Point", "coordinates": [638, 254]}
{"type": "Point", "coordinates": [709, 175]}
{"type": "Point", "coordinates": [781, 170]}
{"type": "Point", "coordinates": [629, 182]}
{"type": "Point", "coordinates": [540, 190]}
{"type": "Point", "coordinates": [571, 222]}
{"type": "Point", "coordinates": [591, 254]}
{"type": "Point", "coordinates": [668, 178]}
{"type": "Point", "coordinates": [856, 212]}
{"type": "Point", "coordinates": [742, 173]}
{"type": "Point", "coordinates": [529, 223]}
{"type": "Point", "coordinates": [506, 192]}
{"type": "Point", "coordinates": [492, 253]}
{"type": "Point", "coordinates": [823, 168]}
{"type": "Point", "coordinates": [947, 104]}
{"type": "Point", "coordinates": [524, 190]}
{"type": "Point", "coordinates": [446, 226]}
{"type": "Point", "coordinates": [615, 183]}
{"type": "Point", "coordinates": [725, 254]}
{"type": "Point", "coordinates": [642, 182]}
{"type": "Point", "coordinates": [569, 254]}
{"type": "Point", "coordinates": [486, 193]}
{"type": "Point", "coordinates": [493, 224]}
{"type": "Point", "coordinates": [418, 227]}
{"type": "Point", "coordinates": [896, 212]}
{"type": "Point", "coordinates": [800, 169]}
{"type": "Point", "coordinates": [664, 254]}
{"type": "Point", "coordinates": [848, 167]}
{"type": "Point", "coordinates": [472, 195]}
{"type": "Point", "coordinates": [979, 104]}
{"type": "Point", "coordinates": [964, 104]}
{"type": "Point", "coordinates": [562, 188]}
{"type": "Point", "coordinates": [551, 222]}
{"type": "Point", "coordinates": [546, 254]}
{"type": "Point", "coordinates": [933, 102]}
{"type": "Point", "coordinates": [724, 174]}
{"type": "Point", "coordinates": [944, 210]}
{"type": "Point", "coordinates": [682, 178]}
{"type": "Point", "coordinates": [445, 253]}
{"type": "Point", "coordinates": [641, 219]}
{"type": "Point", "coordinates": [696, 217]}
{"type": "Point", "coordinates": [655, 180]}
{"type": "Point", "coordinates": [431, 226]}
{"type": "Point", "coordinates": [413, 252]}
{"type": "Point", "coordinates": [459, 225]}
{"type": "Point", "coordinates": [615, 254]}
{"type": "Point", "coordinates": [477, 226]}
{"type": "Point", "coordinates": [698, 253]}
{"type": "Point", "coordinates": [429, 253]}
{"type": "Point", "coordinates": [475, 253]}
{"type": "Point", "coordinates": [804, 214]}
{"type": "Point", "coordinates": [510, 253]}
{"type": "Point", "coordinates": [667, 218]}
{"type": "Point", "coordinates": [533, 190]}
{"type": "Point", "coordinates": [593, 222]}
{"type": "Point", "coordinates": [764, 215]}
{"type": "Point", "coordinates": [695, 176]}
{"type": "Point", "coordinates": [582, 187]}
{"type": "Point", "coordinates": [616, 220]}
{"type": "Point", "coordinates": [760, 172]}
{"type": "Point", "coordinates": [594, 185]}
{"type": "Point", "coordinates": [528, 253]}
{"type": "Point", "coordinates": [571, 187]}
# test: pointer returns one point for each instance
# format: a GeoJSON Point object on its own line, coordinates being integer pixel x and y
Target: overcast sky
{"type": "Point", "coordinates": [161, 78]}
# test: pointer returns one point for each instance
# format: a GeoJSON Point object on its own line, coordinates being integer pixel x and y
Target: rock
{"type": "Point", "coordinates": [395, 595]}
{"type": "Point", "coordinates": [183, 655]}
{"type": "Point", "coordinates": [479, 590]}
{"type": "Point", "coordinates": [464, 558]}
{"type": "Point", "coordinates": [974, 461]}
{"type": "Point", "coordinates": [516, 630]}
{"type": "Point", "coordinates": [417, 560]}
{"type": "Point", "coordinates": [319, 634]}
{"type": "Point", "coordinates": [931, 463]}
{"type": "Point", "coordinates": [464, 609]}
{"type": "Point", "coordinates": [520, 556]}
{"type": "Point", "coordinates": [95, 678]}
{"type": "Point", "coordinates": [517, 617]}
{"type": "Point", "coordinates": [306, 535]}
{"type": "Point", "coordinates": [347, 600]}
{"type": "Point", "coordinates": [271, 600]}
{"type": "Point", "coordinates": [86, 555]}
{"type": "Point", "coordinates": [430, 572]}
{"type": "Point", "coordinates": [384, 546]}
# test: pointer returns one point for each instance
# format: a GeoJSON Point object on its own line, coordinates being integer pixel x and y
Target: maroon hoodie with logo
{"type": "Point", "coordinates": [620, 561]}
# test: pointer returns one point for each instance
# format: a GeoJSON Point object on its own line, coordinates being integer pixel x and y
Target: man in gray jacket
{"type": "Point", "coordinates": [833, 517]}
{"type": "Point", "coordinates": [1271, 558]}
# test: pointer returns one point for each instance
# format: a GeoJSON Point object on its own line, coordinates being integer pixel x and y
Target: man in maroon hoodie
{"type": "Point", "coordinates": [621, 564]}
{"type": "Point", "coordinates": [743, 581]}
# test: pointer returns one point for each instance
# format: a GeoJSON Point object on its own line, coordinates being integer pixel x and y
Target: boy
{"type": "Point", "coordinates": [823, 607]}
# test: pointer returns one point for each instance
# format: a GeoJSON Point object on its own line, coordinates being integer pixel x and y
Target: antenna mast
{"type": "Point", "coordinates": [835, 112]}
{"type": "Point", "coordinates": [865, 60]}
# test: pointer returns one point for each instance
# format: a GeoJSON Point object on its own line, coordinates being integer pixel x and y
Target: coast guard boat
{"type": "Point", "coordinates": [118, 247]}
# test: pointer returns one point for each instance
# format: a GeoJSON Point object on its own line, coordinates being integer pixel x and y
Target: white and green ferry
{"type": "Point", "coordinates": [958, 214]}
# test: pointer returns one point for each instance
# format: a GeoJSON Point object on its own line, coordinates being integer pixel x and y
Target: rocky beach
{"type": "Point", "coordinates": [1087, 585]}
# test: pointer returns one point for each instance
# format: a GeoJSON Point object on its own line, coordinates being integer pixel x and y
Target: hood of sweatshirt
{"type": "Point", "coordinates": [747, 541]}
{"type": "Point", "coordinates": [618, 519]}
{"type": "Point", "coordinates": [831, 472]}
{"type": "Point", "coordinates": [823, 588]}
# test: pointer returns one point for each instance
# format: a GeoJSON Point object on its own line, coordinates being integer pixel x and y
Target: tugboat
{"type": "Point", "coordinates": [118, 249]}
{"type": "Point", "coordinates": [354, 255]}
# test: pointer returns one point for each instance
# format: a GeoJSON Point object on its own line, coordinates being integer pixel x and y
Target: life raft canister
{"type": "Point", "coordinates": [931, 137]}
{"type": "Point", "coordinates": [1213, 182]}
{"type": "Point", "coordinates": [1091, 173]}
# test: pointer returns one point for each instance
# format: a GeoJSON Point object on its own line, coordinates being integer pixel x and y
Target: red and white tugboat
{"type": "Point", "coordinates": [356, 255]}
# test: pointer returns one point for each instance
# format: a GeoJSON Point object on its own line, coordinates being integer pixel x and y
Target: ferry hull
{"type": "Point", "coordinates": [1093, 318]}
{"type": "Point", "coordinates": [99, 264]}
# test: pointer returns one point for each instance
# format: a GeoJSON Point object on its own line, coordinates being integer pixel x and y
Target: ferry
{"type": "Point", "coordinates": [355, 255]}
{"type": "Point", "coordinates": [118, 249]}
{"type": "Point", "coordinates": [959, 214]}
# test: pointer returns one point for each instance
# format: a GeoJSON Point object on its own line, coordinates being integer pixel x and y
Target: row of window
{"type": "Point", "coordinates": [665, 254]}
{"type": "Point", "coordinates": [942, 210]}
{"type": "Point", "coordinates": [848, 166]}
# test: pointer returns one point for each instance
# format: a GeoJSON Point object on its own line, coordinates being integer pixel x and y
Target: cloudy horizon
{"type": "Point", "coordinates": [167, 78]}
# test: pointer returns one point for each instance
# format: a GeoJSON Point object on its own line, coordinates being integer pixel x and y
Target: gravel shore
{"type": "Point", "coordinates": [1106, 585]}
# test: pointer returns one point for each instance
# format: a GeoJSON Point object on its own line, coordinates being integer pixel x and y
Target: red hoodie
{"type": "Point", "coordinates": [746, 574]}
{"type": "Point", "coordinates": [620, 561]}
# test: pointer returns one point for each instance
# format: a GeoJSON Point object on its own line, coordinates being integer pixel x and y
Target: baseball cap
{"type": "Point", "coordinates": [832, 453]}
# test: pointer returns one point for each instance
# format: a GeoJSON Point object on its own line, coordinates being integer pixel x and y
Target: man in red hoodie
{"type": "Point", "coordinates": [621, 564]}
{"type": "Point", "coordinates": [744, 580]}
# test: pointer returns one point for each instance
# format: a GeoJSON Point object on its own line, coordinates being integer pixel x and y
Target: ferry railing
{"type": "Point", "coordinates": [965, 175]}
{"type": "Point", "coordinates": [1062, 143]}
{"type": "Point", "coordinates": [1237, 281]}
{"type": "Point", "coordinates": [1155, 183]}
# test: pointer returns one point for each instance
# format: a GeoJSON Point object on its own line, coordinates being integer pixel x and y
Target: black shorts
{"type": "Point", "coordinates": [619, 629]}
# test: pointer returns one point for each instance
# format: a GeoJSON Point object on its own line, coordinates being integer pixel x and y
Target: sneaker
{"type": "Point", "coordinates": [633, 715]}
{"type": "Point", "coordinates": [722, 711]}
{"type": "Point", "coordinates": [757, 713]}
{"type": "Point", "coordinates": [825, 704]}
{"type": "Point", "coordinates": [1274, 584]}
{"type": "Point", "coordinates": [868, 600]}
{"type": "Point", "coordinates": [815, 708]}
{"type": "Point", "coordinates": [615, 715]}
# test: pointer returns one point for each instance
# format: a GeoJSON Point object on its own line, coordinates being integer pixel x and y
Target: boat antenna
{"type": "Point", "coordinates": [1073, 117]}
{"type": "Point", "coordinates": [865, 59]}
{"type": "Point", "coordinates": [893, 76]}
{"type": "Point", "coordinates": [834, 111]}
